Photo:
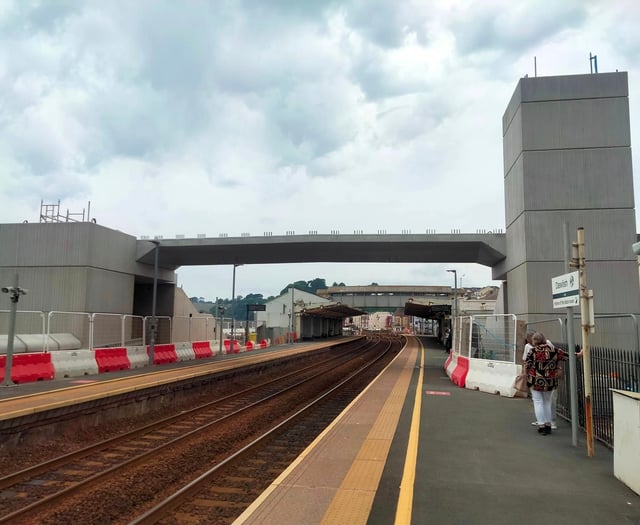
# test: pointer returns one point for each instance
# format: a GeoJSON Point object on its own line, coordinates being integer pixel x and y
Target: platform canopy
{"type": "Point", "coordinates": [332, 311]}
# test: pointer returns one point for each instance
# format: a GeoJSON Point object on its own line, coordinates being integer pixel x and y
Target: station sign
{"type": "Point", "coordinates": [256, 307]}
{"type": "Point", "coordinates": [565, 290]}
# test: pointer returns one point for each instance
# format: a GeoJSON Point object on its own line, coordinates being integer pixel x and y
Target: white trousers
{"type": "Point", "coordinates": [542, 406]}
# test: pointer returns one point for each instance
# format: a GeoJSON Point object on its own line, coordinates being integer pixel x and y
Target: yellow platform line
{"type": "Point", "coordinates": [405, 499]}
{"type": "Point", "coordinates": [354, 499]}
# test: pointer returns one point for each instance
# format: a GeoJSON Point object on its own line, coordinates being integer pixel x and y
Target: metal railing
{"type": "Point", "coordinates": [611, 367]}
{"type": "Point", "coordinates": [103, 330]}
{"type": "Point", "coordinates": [490, 337]}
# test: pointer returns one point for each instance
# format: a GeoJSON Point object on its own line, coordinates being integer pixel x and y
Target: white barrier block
{"type": "Point", "coordinates": [493, 377]}
{"type": "Point", "coordinates": [138, 356]}
{"type": "Point", "coordinates": [74, 363]}
{"type": "Point", "coordinates": [215, 347]}
{"type": "Point", "coordinates": [185, 352]}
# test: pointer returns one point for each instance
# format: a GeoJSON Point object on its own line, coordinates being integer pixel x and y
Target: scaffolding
{"type": "Point", "coordinates": [51, 213]}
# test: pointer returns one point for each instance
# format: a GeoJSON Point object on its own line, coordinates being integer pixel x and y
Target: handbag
{"type": "Point", "coordinates": [520, 384]}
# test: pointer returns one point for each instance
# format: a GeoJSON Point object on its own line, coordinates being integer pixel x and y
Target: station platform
{"type": "Point", "coordinates": [415, 448]}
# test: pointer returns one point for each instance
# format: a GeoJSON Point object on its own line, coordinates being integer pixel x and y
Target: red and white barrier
{"type": "Point", "coordinates": [38, 366]}
{"type": "Point", "coordinates": [457, 368]}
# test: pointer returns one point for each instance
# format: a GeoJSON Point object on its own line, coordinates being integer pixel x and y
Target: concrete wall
{"type": "Point", "coordinates": [76, 267]}
{"type": "Point", "coordinates": [567, 158]}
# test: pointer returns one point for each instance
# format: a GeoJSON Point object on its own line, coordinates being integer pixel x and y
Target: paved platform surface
{"type": "Point", "coordinates": [477, 461]}
{"type": "Point", "coordinates": [481, 462]}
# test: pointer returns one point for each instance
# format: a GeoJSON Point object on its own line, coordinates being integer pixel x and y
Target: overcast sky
{"type": "Point", "coordinates": [257, 116]}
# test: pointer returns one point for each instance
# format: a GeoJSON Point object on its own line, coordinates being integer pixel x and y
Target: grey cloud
{"type": "Point", "coordinates": [513, 29]}
{"type": "Point", "coordinates": [385, 23]}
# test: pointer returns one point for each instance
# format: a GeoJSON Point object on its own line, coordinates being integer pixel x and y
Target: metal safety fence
{"type": "Point", "coordinates": [47, 331]}
{"type": "Point", "coordinates": [611, 367]}
{"type": "Point", "coordinates": [486, 337]}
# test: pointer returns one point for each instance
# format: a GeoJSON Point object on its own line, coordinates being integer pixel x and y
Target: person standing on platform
{"type": "Point", "coordinates": [542, 377]}
{"type": "Point", "coordinates": [554, 396]}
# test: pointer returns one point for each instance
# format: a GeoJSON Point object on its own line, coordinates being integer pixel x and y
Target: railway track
{"type": "Point", "coordinates": [116, 478]}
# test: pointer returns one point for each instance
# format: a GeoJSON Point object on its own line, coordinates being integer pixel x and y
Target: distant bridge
{"type": "Point", "coordinates": [387, 298]}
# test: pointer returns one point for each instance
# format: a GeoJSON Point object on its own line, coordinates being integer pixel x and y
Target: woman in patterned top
{"type": "Point", "coordinates": [542, 377]}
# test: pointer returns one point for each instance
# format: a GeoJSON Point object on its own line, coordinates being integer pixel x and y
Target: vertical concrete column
{"type": "Point", "coordinates": [567, 157]}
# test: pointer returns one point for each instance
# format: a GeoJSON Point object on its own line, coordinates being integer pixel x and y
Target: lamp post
{"type": "Point", "coordinates": [455, 297]}
{"type": "Point", "coordinates": [154, 300]}
{"type": "Point", "coordinates": [14, 295]}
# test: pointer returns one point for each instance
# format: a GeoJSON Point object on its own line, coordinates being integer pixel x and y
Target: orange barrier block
{"type": "Point", "coordinates": [459, 375]}
{"type": "Point", "coordinates": [249, 345]}
{"type": "Point", "coordinates": [111, 359]}
{"type": "Point", "coordinates": [227, 346]}
{"type": "Point", "coordinates": [163, 354]}
{"type": "Point", "coordinates": [263, 343]}
{"type": "Point", "coordinates": [202, 349]}
{"type": "Point", "coordinates": [26, 368]}
{"type": "Point", "coordinates": [236, 346]}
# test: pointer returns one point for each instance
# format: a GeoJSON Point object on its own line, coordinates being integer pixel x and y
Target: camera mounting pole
{"type": "Point", "coordinates": [14, 295]}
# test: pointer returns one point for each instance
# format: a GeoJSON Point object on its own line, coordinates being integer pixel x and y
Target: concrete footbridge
{"type": "Point", "coordinates": [487, 249]}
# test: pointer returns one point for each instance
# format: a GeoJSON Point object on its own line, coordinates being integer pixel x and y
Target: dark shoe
{"type": "Point", "coordinates": [546, 430]}
{"type": "Point", "coordinates": [541, 430]}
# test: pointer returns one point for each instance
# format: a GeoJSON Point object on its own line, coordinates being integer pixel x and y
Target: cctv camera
{"type": "Point", "coordinates": [7, 289]}
{"type": "Point", "coordinates": [636, 248]}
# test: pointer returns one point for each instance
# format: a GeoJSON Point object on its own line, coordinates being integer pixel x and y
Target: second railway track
{"type": "Point", "coordinates": [117, 480]}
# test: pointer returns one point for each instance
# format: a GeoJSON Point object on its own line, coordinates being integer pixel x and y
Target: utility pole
{"type": "Point", "coordinates": [588, 327]}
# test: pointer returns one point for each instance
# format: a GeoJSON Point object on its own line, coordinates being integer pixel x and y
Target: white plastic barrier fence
{"type": "Point", "coordinates": [138, 356]}
{"type": "Point", "coordinates": [74, 363]}
{"type": "Point", "coordinates": [494, 377]}
{"type": "Point", "coordinates": [185, 352]}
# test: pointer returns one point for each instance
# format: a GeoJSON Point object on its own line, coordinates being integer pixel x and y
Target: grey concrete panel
{"type": "Point", "coordinates": [514, 192]}
{"type": "Point", "coordinates": [538, 236]}
{"type": "Point", "coordinates": [512, 107]}
{"type": "Point", "coordinates": [574, 179]}
{"type": "Point", "coordinates": [609, 234]}
{"type": "Point", "coordinates": [571, 87]}
{"type": "Point", "coordinates": [590, 123]}
{"type": "Point", "coordinates": [568, 87]}
{"type": "Point", "coordinates": [518, 290]}
{"type": "Point", "coordinates": [109, 292]}
{"type": "Point", "coordinates": [67, 244]}
{"type": "Point", "coordinates": [512, 142]}
{"type": "Point", "coordinates": [58, 288]}
{"type": "Point", "coordinates": [111, 249]}
{"type": "Point", "coordinates": [610, 282]}
{"type": "Point", "coordinates": [516, 243]}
